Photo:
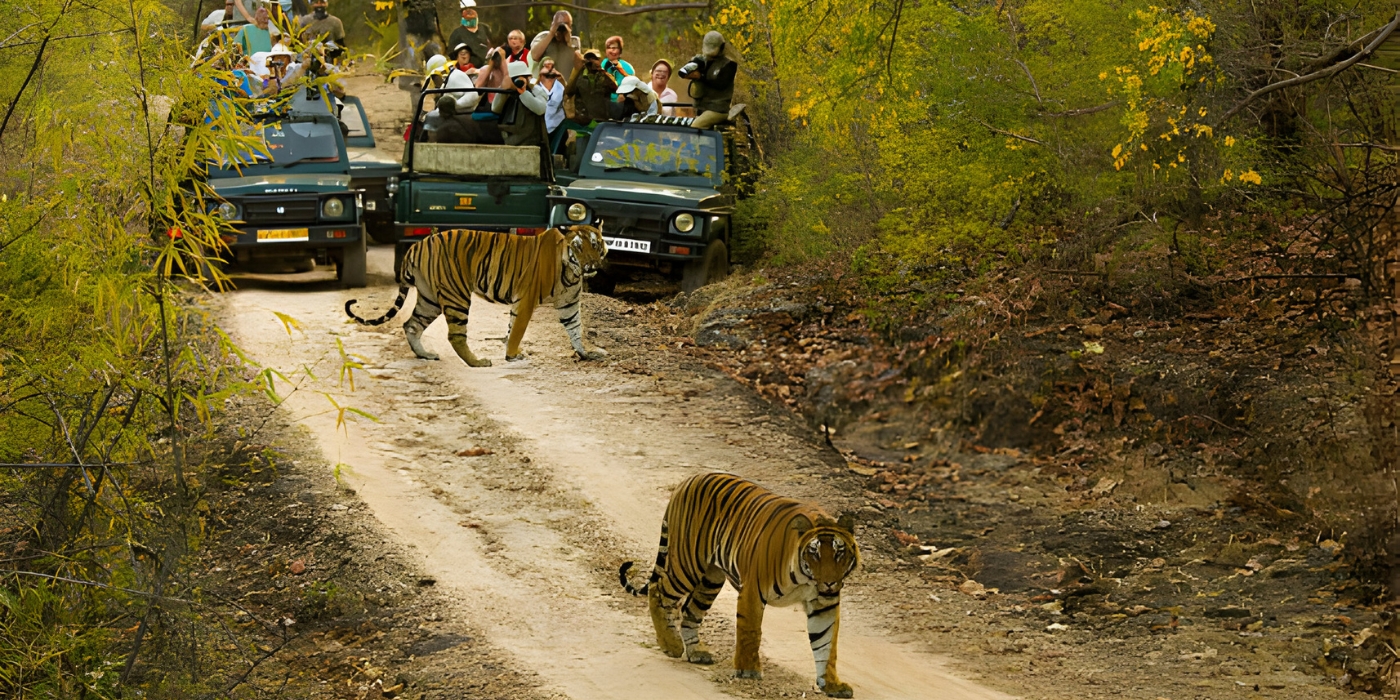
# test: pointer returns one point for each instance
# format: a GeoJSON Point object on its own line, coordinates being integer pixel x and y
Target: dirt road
{"type": "Point", "coordinates": [520, 488]}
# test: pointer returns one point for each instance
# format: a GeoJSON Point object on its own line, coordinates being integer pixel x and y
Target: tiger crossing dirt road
{"type": "Point", "coordinates": [521, 487]}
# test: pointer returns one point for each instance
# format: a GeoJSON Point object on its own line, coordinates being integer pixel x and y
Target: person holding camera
{"type": "Point", "coordinates": [522, 113]}
{"type": "Point", "coordinates": [711, 76]}
{"type": "Point", "coordinates": [592, 89]}
{"type": "Point", "coordinates": [560, 44]}
{"type": "Point", "coordinates": [613, 63]}
{"type": "Point", "coordinates": [554, 116]}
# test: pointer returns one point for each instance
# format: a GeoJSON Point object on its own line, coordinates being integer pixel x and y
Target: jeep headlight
{"type": "Point", "coordinates": [228, 211]}
{"type": "Point", "coordinates": [685, 223]}
{"type": "Point", "coordinates": [333, 208]}
{"type": "Point", "coordinates": [391, 185]}
{"type": "Point", "coordinates": [577, 212]}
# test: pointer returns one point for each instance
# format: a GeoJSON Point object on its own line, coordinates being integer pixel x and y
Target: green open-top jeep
{"type": "Point", "coordinates": [665, 192]}
{"type": "Point", "coordinates": [476, 186]}
{"type": "Point", "coordinates": [293, 203]}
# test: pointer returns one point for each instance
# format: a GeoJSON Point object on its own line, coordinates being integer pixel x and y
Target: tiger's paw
{"type": "Point", "coordinates": [427, 355]}
{"type": "Point", "coordinates": [838, 690]}
{"type": "Point", "coordinates": [745, 673]}
{"type": "Point", "coordinates": [594, 354]}
{"type": "Point", "coordinates": [516, 358]}
{"type": "Point", "coordinates": [480, 362]}
{"type": "Point", "coordinates": [671, 647]}
{"type": "Point", "coordinates": [700, 656]}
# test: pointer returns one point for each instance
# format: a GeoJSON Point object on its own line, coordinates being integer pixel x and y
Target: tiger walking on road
{"type": "Point", "coordinates": [523, 271]}
{"type": "Point", "coordinates": [773, 550]}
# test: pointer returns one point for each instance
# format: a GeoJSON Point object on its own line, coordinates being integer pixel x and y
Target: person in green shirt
{"type": "Point", "coordinates": [255, 37]}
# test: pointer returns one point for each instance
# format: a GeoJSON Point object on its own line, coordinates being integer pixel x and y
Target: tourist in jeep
{"type": "Point", "coordinates": [635, 97]}
{"type": "Point", "coordinates": [522, 114]}
{"type": "Point", "coordinates": [592, 89]}
{"type": "Point", "coordinates": [711, 76]}
{"type": "Point", "coordinates": [472, 33]}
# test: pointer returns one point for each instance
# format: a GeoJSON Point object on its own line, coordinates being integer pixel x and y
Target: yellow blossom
{"type": "Point", "coordinates": [1229, 141]}
{"type": "Point", "coordinates": [1251, 177]}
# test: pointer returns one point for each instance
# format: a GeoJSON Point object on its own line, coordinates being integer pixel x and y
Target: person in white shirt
{"type": "Point", "coordinates": [660, 77]}
{"type": "Point", "coordinates": [553, 85]}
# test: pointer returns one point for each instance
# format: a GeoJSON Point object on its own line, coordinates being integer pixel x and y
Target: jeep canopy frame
{"type": "Point", "coordinates": [546, 160]}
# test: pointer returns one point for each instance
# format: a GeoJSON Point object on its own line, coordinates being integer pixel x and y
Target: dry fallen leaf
{"type": "Point", "coordinates": [474, 452]}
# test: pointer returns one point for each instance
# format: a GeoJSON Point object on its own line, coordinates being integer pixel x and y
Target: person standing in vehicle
{"type": "Point", "coordinates": [256, 37]}
{"type": "Point", "coordinates": [660, 77]}
{"type": "Point", "coordinates": [711, 76]}
{"type": "Point", "coordinates": [613, 64]}
{"type": "Point", "coordinates": [322, 25]}
{"type": "Point", "coordinates": [472, 33]}
{"type": "Point", "coordinates": [558, 43]}
{"type": "Point", "coordinates": [553, 85]}
{"type": "Point", "coordinates": [592, 89]}
{"type": "Point", "coordinates": [522, 114]}
{"type": "Point", "coordinates": [515, 47]}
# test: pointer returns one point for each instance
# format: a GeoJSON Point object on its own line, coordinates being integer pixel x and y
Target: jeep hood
{"type": "Point", "coordinates": [290, 183]}
{"type": "Point", "coordinates": [651, 193]}
{"type": "Point", "coordinates": [371, 158]}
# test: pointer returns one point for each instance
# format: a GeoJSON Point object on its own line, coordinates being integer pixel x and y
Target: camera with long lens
{"type": "Point", "coordinates": [696, 66]}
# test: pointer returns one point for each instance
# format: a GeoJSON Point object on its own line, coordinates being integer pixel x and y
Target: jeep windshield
{"type": "Point", "coordinates": [650, 153]}
{"type": "Point", "coordinates": [290, 143]}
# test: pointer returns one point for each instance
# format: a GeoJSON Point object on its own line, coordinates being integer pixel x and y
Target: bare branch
{"type": "Point", "coordinates": [1080, 112]}
{"type": "Point", "coordinates": [1379, 39]}
{"type": "Point", "coordinates": [613, 12]}
{"type": "Point", "coordinates": [1012, 134]}
{"type": "Point", "coordinates": [1030, 77]}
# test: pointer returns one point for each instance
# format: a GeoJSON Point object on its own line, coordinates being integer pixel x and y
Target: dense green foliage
{"type": "Point", "coordinates": [942, 133]}
{"type": "Point", "coordinates": [105, 374]}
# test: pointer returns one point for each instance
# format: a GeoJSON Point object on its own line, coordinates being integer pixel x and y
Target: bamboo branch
{"type": "Point", "coordinates": [1317, 75]}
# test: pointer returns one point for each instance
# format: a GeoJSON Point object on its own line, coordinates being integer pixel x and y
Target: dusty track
{"type": "Point", "coordinates": [526, 540]}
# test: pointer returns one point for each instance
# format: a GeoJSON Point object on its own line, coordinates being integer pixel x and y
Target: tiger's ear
{"type": "Point", "coordinates": [847, 522]}
{"type": "Point", "coordinates": [800, 523]}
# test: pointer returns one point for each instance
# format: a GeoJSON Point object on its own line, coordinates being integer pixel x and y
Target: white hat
{"type": "Point", "coordinates": [631, 83]}
{"type": "Point", "coordinates": [436, 62]}
{"type": "Point", "coordinates": [518, 69]}
{"type": "Point", "coordinates": [280, 50]}
{"type": "Point", "coordinates": [468, 3]}
{"type": "Point", "coordinates": [214, 19]}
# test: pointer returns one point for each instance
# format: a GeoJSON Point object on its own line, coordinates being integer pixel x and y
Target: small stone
{"type": "Point", "coordinates": [1162, 524]}
{"type": "Point", "coordinates": [297, 567]}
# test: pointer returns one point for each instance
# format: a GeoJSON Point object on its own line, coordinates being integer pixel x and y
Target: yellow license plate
{"type": "Point", "coordinates": [283, 234]}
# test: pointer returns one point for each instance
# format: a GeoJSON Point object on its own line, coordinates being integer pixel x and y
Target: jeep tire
{"type": "Point", "coordinates": [713, 266]}
{"type": "Point", "coordinates": [350, 267]}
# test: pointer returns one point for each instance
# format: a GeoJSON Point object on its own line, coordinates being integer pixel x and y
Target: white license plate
{"type": "Point", "coordinates": [628, 244]}
{"type": "Point", "coordinates": [283, 235]}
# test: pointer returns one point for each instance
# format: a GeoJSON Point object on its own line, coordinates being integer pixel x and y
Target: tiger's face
{"type": "Point", "coordinates": [828, 555]}
{"type": "Point", "coordinates": [586, 247]}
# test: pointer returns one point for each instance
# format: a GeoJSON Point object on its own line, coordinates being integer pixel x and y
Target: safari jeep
{"type": "Point", "coordinates": [665, 192]}
{"type": "Point", "coordinates": [370, 172]}
{"type": "Point", "coordinates": [458, 185]}
{"type": "Point", "coordinates": [295, 205]}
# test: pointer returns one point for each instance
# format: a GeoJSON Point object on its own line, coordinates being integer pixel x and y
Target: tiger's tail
{"type": "Point", "coordinates": [655, 572]}
{"type": "Point", "coordinates": [398, 304]}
